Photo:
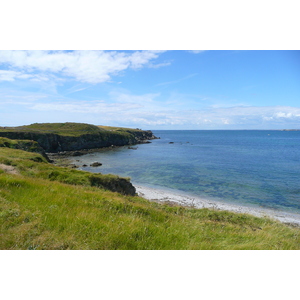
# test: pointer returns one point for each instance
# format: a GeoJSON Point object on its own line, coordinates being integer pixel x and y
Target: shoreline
{"type": "Point", "coordinates": [180, 198]}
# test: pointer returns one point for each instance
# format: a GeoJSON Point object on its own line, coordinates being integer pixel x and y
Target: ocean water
{"type": "Point", "coordinates": [247, 167]}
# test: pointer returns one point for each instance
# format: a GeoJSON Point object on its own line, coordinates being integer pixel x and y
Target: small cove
{"type": "Point", "coordinates": [255, 168]}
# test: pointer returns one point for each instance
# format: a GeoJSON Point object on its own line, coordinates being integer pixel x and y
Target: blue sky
{"type": "Point", "coordinates": [152, 89]}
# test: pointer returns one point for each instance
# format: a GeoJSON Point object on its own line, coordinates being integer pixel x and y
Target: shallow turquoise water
{"type": "Point", "coordinates": [256, 168]}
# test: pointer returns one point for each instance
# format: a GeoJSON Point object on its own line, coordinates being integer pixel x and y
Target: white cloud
{"type": "Point", "coordinates": [141, 110]}
{"type": "Point", "coordinates": [152, 110]}
{"type": "Point", "coordinates": [9, 75]}
{"type": "Point", "coordinates": [85, 66]}
{"type": "Point", "coordinates": [287, 115]}
{"type": "Point", "coordinates": [249, 116]}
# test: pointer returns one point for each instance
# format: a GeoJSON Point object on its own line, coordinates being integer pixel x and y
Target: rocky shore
{"type": "Point", "coordinates": [172, 197]}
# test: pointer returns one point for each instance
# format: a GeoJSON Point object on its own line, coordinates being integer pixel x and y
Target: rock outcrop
{"type": "Point", "coordinates": [26, 145]}
{"type": "Point", "coordinates": [113, 183]}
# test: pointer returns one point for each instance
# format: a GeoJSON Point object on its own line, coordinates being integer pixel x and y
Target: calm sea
{"type": "Point", "coordinates": [251, 167]}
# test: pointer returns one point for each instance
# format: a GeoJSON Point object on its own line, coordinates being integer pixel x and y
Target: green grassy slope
{"type": "Point", "coordinates": [48, 207]}
{"type": "Point", "coordinates": [36, 166]}
{"type": "Point", "coordinates": [26, 145]}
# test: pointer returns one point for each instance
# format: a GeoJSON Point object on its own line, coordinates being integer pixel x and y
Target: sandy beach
{"type": "Point", "coordinates": [165, 195]}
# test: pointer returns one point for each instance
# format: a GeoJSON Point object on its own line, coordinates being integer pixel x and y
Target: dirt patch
{"type": "Point", "coordinates": [9, 169]}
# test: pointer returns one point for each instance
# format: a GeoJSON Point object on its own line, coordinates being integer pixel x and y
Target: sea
{"type": "Point", "coordinates": [254, 168]}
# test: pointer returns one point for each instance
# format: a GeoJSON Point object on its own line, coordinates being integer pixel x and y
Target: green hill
{"type": "Point", "coordinates": [57, 137]}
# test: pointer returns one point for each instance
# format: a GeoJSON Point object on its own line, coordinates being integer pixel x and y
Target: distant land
{"type": "Point", "coordinates": [290, 130]}
{"type": "Point", "coordinates": [58, 137]}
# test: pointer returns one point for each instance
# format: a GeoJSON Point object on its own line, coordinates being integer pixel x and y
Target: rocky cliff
{"type": "Point", "coordinates": [57, 137]}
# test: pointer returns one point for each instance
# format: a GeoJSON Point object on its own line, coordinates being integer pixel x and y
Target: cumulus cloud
{"type": "Point", "coordinates": [84, 66]}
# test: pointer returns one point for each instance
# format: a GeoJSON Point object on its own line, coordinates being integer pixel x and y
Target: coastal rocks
{"type": "Point", "coordinates": [76, 153]}
{"type": "Point", "coordinates": [113, 183]}
{"type": "Point", "coordinates": [73, 166]}
{"type": "Point", "coordinates": [96, 164]}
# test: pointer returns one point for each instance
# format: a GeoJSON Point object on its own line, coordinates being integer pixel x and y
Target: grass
{"type": "Point", "coordinates": [26, 145]}
{"type": "Point", "coordinates": [64, 211]}
{"type": "Point", "coordinates": [66, 129]}
{"type": "Point", "coordinates": [112, 128]}
{"type": "Point", "coordinates": [36, 166]}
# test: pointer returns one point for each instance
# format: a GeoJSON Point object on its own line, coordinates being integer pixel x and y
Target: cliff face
{"type": "Point", "coordinates": [57, 142]}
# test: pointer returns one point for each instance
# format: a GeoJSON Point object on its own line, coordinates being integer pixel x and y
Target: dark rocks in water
{"type": "Point", "coordinates": [84, 165]}
{"type": "Point", "coordinates": [76, 153]}
{"type": "Point", "coordinates": [171, 143]}
{"type": "Point", "coordinates": [73, 166]}
{"type": "Point", "coordinates": [95, 164]}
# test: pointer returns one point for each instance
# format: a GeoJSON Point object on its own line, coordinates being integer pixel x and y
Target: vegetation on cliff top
{"type": "Point", "coordinates": [67, 129]}
{"type": "Point", "coordinates": [25, 145]}
{"type": "Point", "coordinates": [43, 206]}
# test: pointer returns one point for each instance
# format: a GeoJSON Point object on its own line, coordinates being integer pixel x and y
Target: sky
{"type": "Point", "coordinates": [176, 89]}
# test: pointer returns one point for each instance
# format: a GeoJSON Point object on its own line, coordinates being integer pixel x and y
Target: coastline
{"type": "Point", "coordinates": [179, 198]}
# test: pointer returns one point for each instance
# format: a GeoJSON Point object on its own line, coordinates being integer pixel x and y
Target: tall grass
{"type": "Point", "coordinates": [42, 214]}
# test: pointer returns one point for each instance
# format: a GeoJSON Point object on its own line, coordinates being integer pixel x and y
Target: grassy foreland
{"type": "Point", "coordinates": [43, 206]}
{"type": "Point", "coordinates": [67, 129]}
{"type": "Point", "coordinates": [57, 137]}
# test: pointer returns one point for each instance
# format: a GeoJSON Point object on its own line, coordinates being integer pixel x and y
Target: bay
{"type": "Point", "coordinates": [258, 168]}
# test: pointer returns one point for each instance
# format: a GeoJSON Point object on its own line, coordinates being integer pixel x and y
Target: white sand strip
{"type": "Point", "coordinates": [186, 200]}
